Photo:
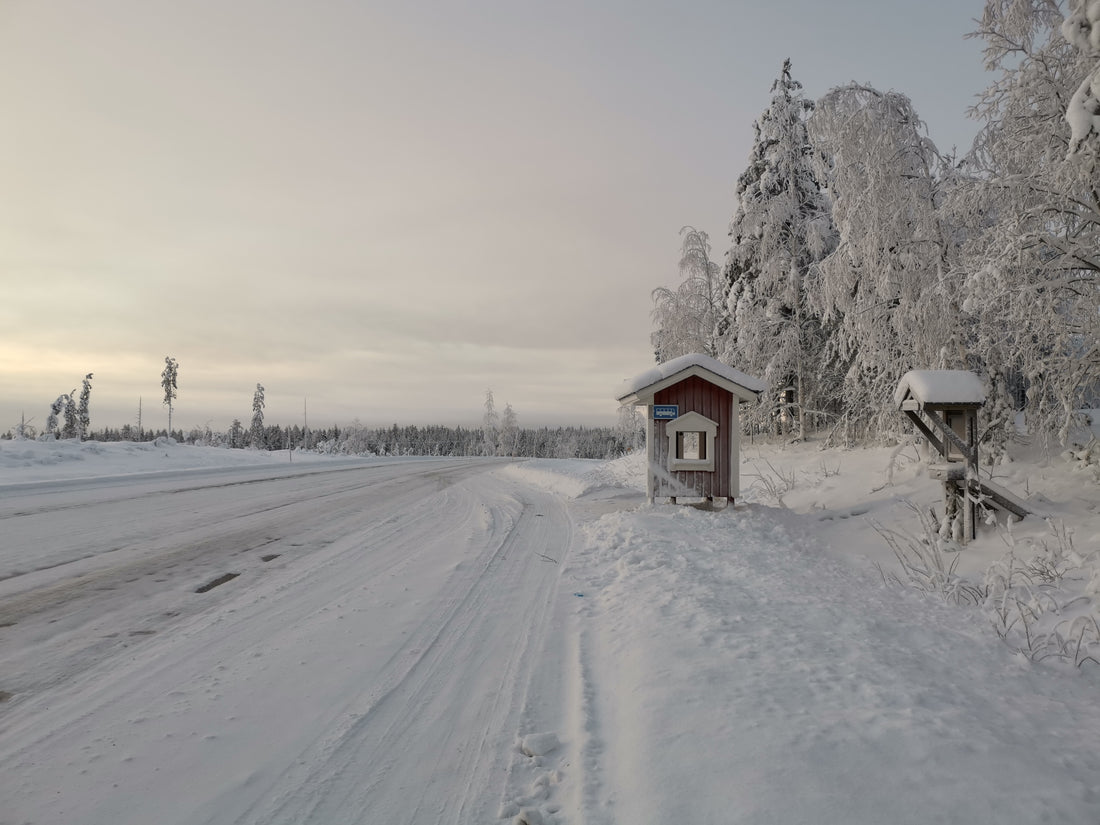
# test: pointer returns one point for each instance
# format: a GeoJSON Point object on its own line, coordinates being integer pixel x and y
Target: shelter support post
{"type": "Point", "coordinates": [735, 449]}
{"type": "Point", "coordinates": [651, 456]}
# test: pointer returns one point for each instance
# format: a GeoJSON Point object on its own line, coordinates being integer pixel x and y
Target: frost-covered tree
{"type": "Point", "coordinates": [235, 436]}
{"type": "Point", "coordinates": [509, 431]}
{"type": "Point", "coordinates": [71, 428]}
{"type": "Point", "coordinates": [256, 431]}
{"type": "Point", "coordinates": [24, 429]}
{"type": "Point", "coordinates": [1033, 258]}
{"type": "Point", "coordinates": [84, 419]}
{"type": "Point", "coordinates": [886, 292]}
{"type": "Point", "coordinates": [490, 426]}
{"type": "Point", "coordinates": [168, 382]}
{"type": "Point", "coordinates": [687, 319]}
{"type": "Point", "coordinates": [779, 233]}
{"type": "Point", "coordinates": [630, 428]}
{"type": "Point", "coordinates": [56, 408]}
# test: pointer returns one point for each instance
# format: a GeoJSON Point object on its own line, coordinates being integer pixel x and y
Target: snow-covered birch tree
{"type": "Point", "coordinates": [687, 318]}
{"type": "Point", "coordinates": [1033, 253]}
{"type": "Point", "coordinates": [509, 431]}
{"type": "Point", "coordinates": [779, 233]}
{"type": "Point", "coordinates": [886, 293]}
{"type": "Point", "coordinates": [490, 426]}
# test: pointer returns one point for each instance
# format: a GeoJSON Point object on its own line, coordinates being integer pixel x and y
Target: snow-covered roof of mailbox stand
{"type": "Point", "coordinates": [940, 387]}
{"type": "Point", "coordinates": [653, 380]}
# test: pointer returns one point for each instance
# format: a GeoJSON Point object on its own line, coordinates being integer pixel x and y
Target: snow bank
{"type": "Point", "coordinates": [25, 460]}
{"type": "Point", "coordinates": [741, 675]}
{"type": "Point", "coordinates": [574, 478]}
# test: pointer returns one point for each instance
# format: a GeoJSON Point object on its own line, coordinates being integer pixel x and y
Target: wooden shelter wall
{"type": "Point", "coordinates": [695, 394]}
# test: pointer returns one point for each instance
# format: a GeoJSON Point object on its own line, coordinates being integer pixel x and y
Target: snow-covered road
{"type": "Point", "coordinates": [368, 662]}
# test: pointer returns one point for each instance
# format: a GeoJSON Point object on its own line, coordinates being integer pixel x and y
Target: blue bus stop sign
{"type": "Point", "coordinates": [665, 412]}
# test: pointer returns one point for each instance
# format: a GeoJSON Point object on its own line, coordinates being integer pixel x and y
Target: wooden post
{"type": "Point", "coordinates": [735, 449]}
{"type": "Point", "coordinates": [651, 455]}
{"type": "Point", "coordinates": [970, 514]}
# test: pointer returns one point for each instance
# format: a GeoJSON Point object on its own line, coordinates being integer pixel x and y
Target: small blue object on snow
{"type": "Point", "coordinates": [579, 595]}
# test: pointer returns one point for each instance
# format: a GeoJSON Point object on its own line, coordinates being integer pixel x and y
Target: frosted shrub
{"type": "Point", "coordinates": [923, 560]}
{"type": "Point", "coordinates": [775, 483]}
{"type": "Point", "coordinates": [1042, 606]}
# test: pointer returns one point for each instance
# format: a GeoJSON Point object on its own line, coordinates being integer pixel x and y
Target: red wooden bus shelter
{"type": "Point", "coordinates": [693, 426]}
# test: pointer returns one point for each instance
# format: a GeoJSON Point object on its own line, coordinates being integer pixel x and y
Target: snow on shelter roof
{"type": "Point", "coordinates": [663, 375]}
{"type": "Point", "coordinates": [940, 387]}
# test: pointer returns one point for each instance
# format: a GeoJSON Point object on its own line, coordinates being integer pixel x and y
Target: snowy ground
{"type": "Point", "coordinates": [430, 641]}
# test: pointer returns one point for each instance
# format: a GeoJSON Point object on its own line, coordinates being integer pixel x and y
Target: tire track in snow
{"type": "Point", "coordinates": [473, 650]}
{"type": "Point", "coordinates": [92, 605]}
{"type": "Point", "coordinates": [165, 519]}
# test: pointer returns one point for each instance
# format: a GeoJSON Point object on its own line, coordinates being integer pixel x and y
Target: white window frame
{"type": "Point", "coordinates": [692, 422]}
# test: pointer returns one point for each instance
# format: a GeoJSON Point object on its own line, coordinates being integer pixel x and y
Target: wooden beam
{"type": "Point", "coordinates": [1003, 499]}
{"type": "Point", "coordinates": [926, 432]}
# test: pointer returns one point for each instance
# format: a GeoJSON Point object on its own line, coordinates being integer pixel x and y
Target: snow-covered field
{"type": "Point", "coordinates": [471, 641]}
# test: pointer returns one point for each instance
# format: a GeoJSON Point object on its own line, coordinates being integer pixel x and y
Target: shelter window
{"type": "Point", "coordinates": [691, 446]}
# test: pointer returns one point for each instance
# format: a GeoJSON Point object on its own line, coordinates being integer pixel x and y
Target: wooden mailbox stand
{"type": "Point", "coordinates": [943, 405]}
{"type": "Point", "coordinates": [693, 426]}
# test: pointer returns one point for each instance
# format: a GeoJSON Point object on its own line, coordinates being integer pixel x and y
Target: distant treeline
{"type": "Point", "coordinates": [355, 439]}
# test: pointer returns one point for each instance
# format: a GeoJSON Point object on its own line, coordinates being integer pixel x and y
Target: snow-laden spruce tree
{"type": "Point", "coordinates": [1033, 248]}
{"type": "Point", "coordinates": [84, 419]}
{"type": "Point", "coordinates": [256, 431]}
{"type": "Point", "coordinates": [61, 403]}
{"type": "Point", "coordinates": [886, 293]}
{"type": "Point", "coordinates": [687, 318]}
{"type": "Point", "coordinates": [168, 382]}
{"type": "Point", "coordinates": [780, 233]}
{"type": "Point", "coordinates": [72, 419]}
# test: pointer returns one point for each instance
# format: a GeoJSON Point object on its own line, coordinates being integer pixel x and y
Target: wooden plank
{"type": "Point", "coordinates": [1003, 498]}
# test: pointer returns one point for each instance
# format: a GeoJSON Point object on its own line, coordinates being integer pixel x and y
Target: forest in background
{"type": "Point", "coordinates": [500, 434]}
{"type": "Point", "coordinates": [396, 440]}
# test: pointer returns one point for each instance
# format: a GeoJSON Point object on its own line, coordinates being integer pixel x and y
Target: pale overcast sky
{"type": "Point", "coordinates": [388, 207]}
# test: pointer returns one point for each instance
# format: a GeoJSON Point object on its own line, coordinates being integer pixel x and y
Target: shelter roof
{"type": "Point", "coordinates": [648, 383]}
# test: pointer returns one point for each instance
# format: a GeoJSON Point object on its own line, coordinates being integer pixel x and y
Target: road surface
{"type": "Point", "coordinates": [353, 643]}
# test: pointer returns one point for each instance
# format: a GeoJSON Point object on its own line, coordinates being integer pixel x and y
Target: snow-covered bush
{"type": "Point", "coordinates": [924, 561]}
{"type": "Point", "coordinates": [1043, 606]}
